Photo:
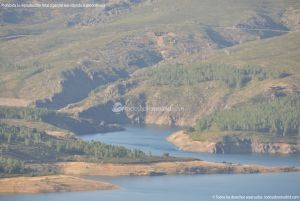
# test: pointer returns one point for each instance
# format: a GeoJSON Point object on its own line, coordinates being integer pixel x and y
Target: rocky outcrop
{"type": "Point", "coordinates": [230, 144]}
{"type": "Point", "coordinates": [275, 148]}
{"type": "Point", "coordinates": [185, 143]}
{"type": "Point", "coordinates": [254, 146]}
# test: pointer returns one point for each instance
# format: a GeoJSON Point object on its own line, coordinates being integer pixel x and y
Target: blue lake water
{"type": "Point", "coordinates": [182, 188]}
{"type": "Point", "coordinates": [152, 139]}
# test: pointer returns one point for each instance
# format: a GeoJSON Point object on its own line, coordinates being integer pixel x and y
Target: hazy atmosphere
{"type": "Point", "coordinates": [149, 100]}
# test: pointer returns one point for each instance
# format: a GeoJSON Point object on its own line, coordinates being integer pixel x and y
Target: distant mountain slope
{"type": "Point", "coordinates": [40, 52]}
{"type": "Point", "coordinates": [189, 86]}
{"type": "Point", "coordinates": [83, 60]}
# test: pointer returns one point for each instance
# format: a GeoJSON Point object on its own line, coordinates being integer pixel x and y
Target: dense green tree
{"type": "Point", "coordinates": [232, 76]}
{"type": "Point", "coordinates": [46, 146]}
{"type": "Point", "coordinates": [11, 166]}
{"type": "Point", "coordinates": [24, 113]}
{"type": "Point", "coordinates": [280, 117]}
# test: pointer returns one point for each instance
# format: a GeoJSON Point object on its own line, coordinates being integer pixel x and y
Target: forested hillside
{"type": "Point", "coordinates": [57, 119]}
{"type": "Point", "coordinates": [23, 145]}
{"type": "Point", "coordinates": [222, 66]}
{"type": "Point", "coordinates": [278, 117]}
{"type": "Point", "coordinates": [233, 77]}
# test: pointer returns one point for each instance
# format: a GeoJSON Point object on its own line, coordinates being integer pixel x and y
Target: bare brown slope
{"type": "Point", "coordinates": [248, 145]}
{"type": "Point", "coordinates": [162, 168]}
{"type": "Point", "coordinates": [47, 184]}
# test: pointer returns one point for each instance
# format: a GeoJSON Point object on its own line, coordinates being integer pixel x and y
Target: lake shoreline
{"type": "Point", "coordinates": [184, 142]}
{"type": "Point", "coordinates": [68, 178]}
{"type": "Point", "coordinates": [51, 184]}
{"type": "Point", "coordinates": [160, 168]}
{"type": "Point", "coordinates": [69, 173]}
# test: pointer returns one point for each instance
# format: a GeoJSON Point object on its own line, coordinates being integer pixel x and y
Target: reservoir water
{"type": "Point", "coordinates": [183, 187]}
{"type": "Point", "coordinates": [152, 139]}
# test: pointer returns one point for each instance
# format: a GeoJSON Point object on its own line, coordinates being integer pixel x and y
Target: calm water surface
{"type": "Point", "coordinates": [152, 139]}
{"type": "Point", "coordinates": [180, 188]}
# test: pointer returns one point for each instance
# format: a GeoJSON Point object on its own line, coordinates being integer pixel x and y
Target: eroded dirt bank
{"type": "Point", "coordinates": [64, 182]}
{"type": "Point", "coordinates": [183, 141]}
{"type": "Point", "coordinates": [161, 168]}
{"type": "Point", "coordinates": [48, 184]}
